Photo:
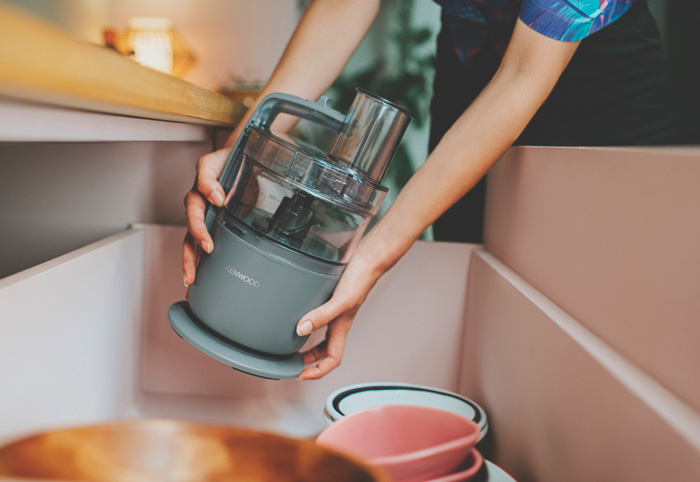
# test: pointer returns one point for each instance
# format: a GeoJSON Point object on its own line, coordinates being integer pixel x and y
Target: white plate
{"type": "Point", "coordinates": [496, 474]}
{"type": "Point", "coordinates": [354, 398]}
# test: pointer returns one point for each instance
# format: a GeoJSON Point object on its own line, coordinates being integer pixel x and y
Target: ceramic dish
{"type": "Point", "coordinates": [490, 472]}
{"type": "Point", "coordinates": [354, 398]}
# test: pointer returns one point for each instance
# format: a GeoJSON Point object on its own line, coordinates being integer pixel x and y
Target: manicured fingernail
{"type": "Point", "coordinates": [305, 328]}
{"type": "Point", "coordinates": [185, 281]}
{"type": "Point", "coordinates": [217, 198]}
{"type": "Point", "coordinates": [206, 246]}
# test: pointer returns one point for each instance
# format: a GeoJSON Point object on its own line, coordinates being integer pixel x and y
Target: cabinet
{"type": "Point", "coordinates": [69, 178]}
{"type": "Point", "coordinates": [552, 328]}
{"type": "Point", "coordinates": [92, 186]}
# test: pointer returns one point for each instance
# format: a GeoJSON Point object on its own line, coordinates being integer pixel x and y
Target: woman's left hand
{"type": "Point", "coordinates": [338, 314]}
{"type": "Point", "coordinates": [530, 68]}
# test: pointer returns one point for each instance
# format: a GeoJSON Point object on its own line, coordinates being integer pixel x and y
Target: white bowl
{"type": "Point", "coordinates": [354, 398]}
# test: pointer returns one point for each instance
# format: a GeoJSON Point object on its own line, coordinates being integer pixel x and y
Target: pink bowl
{"type": "Point", "coordinates": [411, 443]}
{"type": "Point", "coordinates": [468, 469]}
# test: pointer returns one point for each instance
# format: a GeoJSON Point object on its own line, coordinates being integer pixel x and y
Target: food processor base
{"type": "Point", "coordinates": [185, 324]}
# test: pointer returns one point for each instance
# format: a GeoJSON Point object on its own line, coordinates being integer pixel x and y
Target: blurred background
{"type": "Point", "coordinates": [231, 46]}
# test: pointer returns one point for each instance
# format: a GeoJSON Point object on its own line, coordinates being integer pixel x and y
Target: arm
{"type": "Point", "coordinates": [530, 68]}
{"type": "Point", "coordinates": [327, 35]}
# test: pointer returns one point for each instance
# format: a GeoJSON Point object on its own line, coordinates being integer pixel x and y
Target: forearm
{"type": "Point", "coordinates": [467, 151]}
{"type": "Point", "coordinates": [323, 42]}
{"type": "Point", "coordinates": [476, 140]}
{"type": "Point", "coordinates": [530, 68]}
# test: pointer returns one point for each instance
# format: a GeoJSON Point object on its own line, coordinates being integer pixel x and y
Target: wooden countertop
{"type": "Point", "coordinates": [41, 63]}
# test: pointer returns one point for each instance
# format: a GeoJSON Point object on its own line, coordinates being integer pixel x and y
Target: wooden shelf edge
{"type": "Point", "coordinates": [22, 121]}
{"type": "Point", "coordinates": [41, 63]}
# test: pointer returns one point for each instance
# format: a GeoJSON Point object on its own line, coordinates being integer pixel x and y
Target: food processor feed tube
{"type": "Point", "coordinates": [293, 216]}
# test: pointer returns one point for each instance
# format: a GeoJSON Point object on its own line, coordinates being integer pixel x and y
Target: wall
{"type": "Point", "coordinates": [232, 39]}
{"type": "Point", "coordinates": [57, 197]}
{"type": "Point", "coordinates": [84, 19]}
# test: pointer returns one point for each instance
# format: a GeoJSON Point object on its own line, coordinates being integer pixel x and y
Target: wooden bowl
{"type": "Point", "coordinates": [168, 450]}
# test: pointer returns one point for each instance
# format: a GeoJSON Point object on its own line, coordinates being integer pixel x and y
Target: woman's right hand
{"type": "Point", "coordinates": [206, 188]}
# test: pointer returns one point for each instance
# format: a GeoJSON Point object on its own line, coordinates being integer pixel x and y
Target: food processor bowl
{"type": "Point", "coordinates": [292, 217]}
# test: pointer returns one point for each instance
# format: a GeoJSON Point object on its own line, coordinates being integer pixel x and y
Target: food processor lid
{"type": "Point", "coordinates": [353, 398]}
{"type": "Point", "coordinates": [305, 167]}
{"type": "Point", "coordinates": [369, 135]}
{"type": "Point", "coordinates": [186, 324]}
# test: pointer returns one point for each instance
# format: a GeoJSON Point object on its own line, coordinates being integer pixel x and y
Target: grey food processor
{"type": "Point", "coordinates": [292, 217]}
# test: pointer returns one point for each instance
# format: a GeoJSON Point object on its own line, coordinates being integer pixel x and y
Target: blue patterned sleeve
{"type": "Point", "coordinates": [571, 20]}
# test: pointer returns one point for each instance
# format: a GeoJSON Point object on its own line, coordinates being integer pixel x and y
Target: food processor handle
{"type": "Point", "coordinates": [270, 107]}
{"type": "Point", "coordinates": [320, 112]}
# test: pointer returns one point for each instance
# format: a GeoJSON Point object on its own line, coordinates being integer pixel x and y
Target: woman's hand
{"type": "Point", "coordinates": [327, 35]}
{"type": "Point", "coordinates": [530, 68]}
{"type": "Point", "coordinates": [206, 188]}
{"type": "Point", "coordinates": [338, 314]}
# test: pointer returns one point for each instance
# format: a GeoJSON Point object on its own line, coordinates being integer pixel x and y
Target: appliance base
{"type": "Point", "coordinates": [187, 326]}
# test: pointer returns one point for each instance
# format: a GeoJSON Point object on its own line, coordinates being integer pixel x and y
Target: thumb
{"type": "Point", "coordinates": [209, 169]}
{"type": "Point", "coordinates": [321, 316]}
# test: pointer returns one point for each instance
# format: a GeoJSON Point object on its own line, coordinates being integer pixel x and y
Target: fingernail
{"type": "Point", "coordinates": [185, 281]}
{"type": "Point", "coordinates": [206, 246]}
{"type": "Point", "coordinates": [305, 328]}
{"type": "Point", "coordinates": [217, 198]}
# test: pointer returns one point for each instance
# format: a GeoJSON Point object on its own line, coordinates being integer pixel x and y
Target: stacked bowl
{"type": "Point", "coordinates": [415, 433]}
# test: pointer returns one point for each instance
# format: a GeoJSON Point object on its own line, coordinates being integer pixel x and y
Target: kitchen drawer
{"type": "Point", "coordinates": [563, 404]}
{"type": "Point", "coordinates": [87, 338]}
{"type": "Point", "coordinates": [70, 333]}
{"type": "Point", "coordinates": [611, 236]}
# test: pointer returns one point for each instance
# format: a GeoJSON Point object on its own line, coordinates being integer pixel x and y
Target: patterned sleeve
{"type": "Point", "coordinates": [571, 20]}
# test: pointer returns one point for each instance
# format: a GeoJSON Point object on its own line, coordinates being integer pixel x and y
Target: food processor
{"type": "Point", "coordinates": [292, 216]}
